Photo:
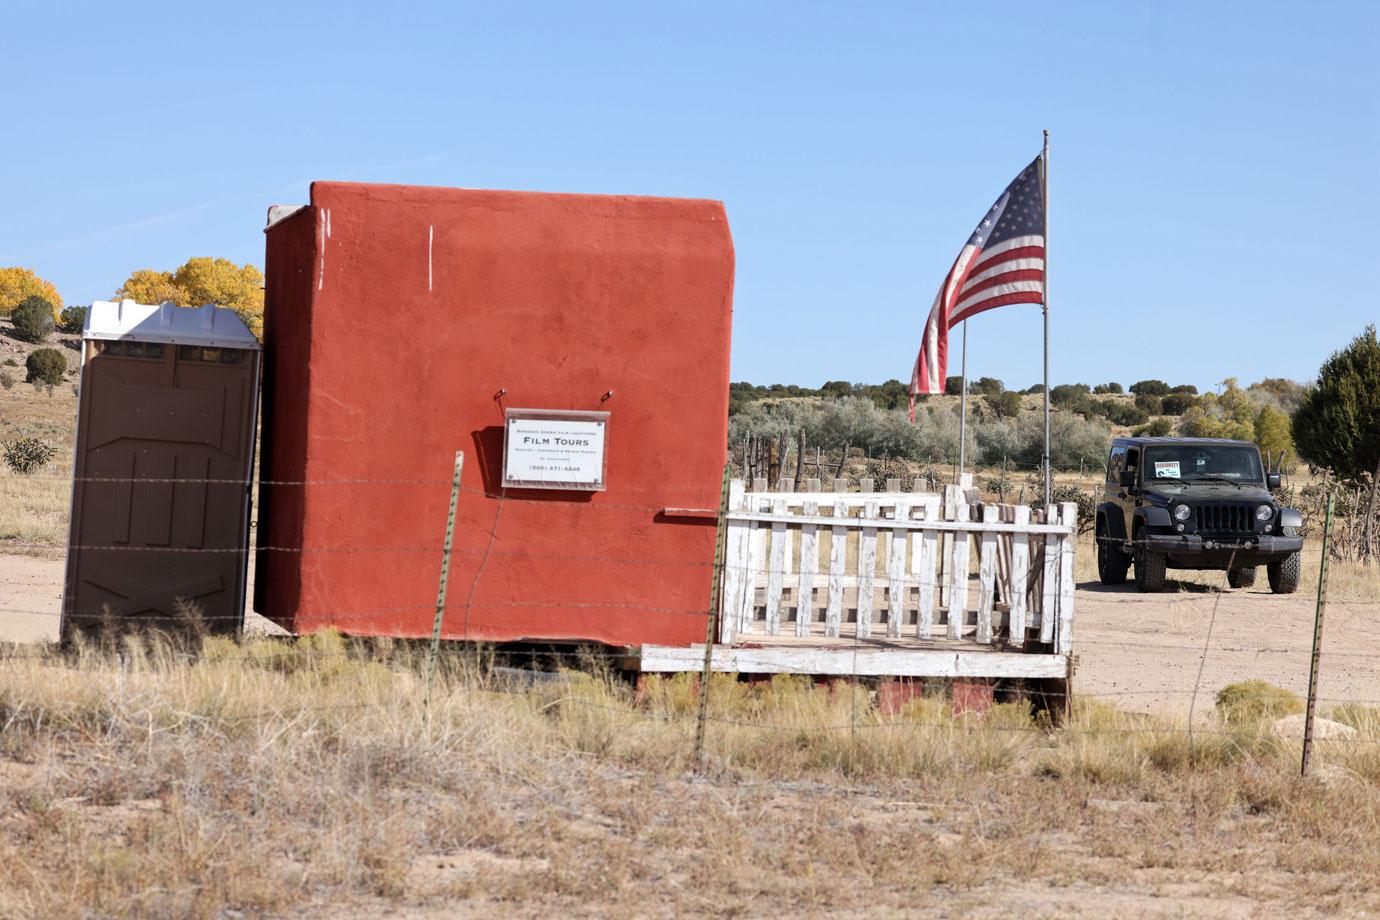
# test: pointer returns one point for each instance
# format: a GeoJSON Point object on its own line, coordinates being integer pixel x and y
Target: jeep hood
{"type": "Point", "coordinates": [1209, 492]}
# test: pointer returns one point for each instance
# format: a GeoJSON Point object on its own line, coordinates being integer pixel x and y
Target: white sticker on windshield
{"type": "Point", "coordinates": [1166, 469]}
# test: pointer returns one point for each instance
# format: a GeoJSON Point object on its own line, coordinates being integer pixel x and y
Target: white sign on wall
{"type": "Point", "coordinates": [554, 449]}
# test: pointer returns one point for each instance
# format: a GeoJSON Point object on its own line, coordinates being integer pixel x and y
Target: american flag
{"type": "Point", "coordinates": [1002, 263]}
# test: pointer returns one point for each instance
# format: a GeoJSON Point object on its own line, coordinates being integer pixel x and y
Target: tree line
{"type": "Point", "coordinates": [1333, 423]}
{"type": "Point", "coordinates": [199, 280]}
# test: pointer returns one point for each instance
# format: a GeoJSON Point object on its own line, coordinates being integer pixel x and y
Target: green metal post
{"type": "Point", "coordinates": [445, 580]}
{"type": "Point", "coordinates": [1317, 641]}
{"type": "Point", "coordinates": [711, 630]}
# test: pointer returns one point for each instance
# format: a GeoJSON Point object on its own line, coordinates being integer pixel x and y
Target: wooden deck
{"type": "Point", "coordinates": [855, 658]}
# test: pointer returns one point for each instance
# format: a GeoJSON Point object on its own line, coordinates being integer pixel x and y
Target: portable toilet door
{"type": "Point", "coordinates": [164, 458]}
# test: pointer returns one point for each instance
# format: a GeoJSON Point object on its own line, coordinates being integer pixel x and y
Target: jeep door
{"type": "Point", "coordinates": [1126, 497]}
{"type": "Point", "coordinates": [1111, 490]}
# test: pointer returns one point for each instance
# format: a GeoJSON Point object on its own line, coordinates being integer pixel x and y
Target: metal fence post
{"type": "Point", "coordinates": [711, 630]}
{"type": "Point", "coordinates": [445, 580]}
{"type": "Point", "coordinates": [1317, 642]}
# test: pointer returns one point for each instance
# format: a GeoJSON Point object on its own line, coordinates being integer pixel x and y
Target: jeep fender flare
{"type": "Point", "coordinates": [1114, 520]}
{"type": "Point", "coordinates": [1152, 517]}
{"type": "Point", "coordinates": [1288, 517]}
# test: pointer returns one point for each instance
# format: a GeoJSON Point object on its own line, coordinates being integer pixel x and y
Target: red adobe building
{"type": "Point", "coordinates": [402, 325]}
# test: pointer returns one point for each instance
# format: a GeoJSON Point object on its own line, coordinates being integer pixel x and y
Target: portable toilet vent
{"type": "Point", "coordinates": [164, 457]}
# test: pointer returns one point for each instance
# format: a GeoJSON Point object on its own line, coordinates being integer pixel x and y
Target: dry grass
{"type": "Point", "coordinates": [307, 780]}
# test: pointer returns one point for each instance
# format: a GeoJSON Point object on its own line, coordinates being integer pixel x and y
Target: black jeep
{"type": "Point", "coordinates": [1194, 503]}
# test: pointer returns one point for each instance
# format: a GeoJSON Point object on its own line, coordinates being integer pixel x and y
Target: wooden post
{"type": "Point", "coordinates": [923, 562]}
{"type": "Point", "coordinates": [957, 575]}
{"type": "Point", "coordinates": [776, 569]}
{"type": "Point", "coordinates": [987, 578]}
{"type": "Point", "coordinates": [1068, 514]}
{"type": "Point", "coordinates": [809, 562]}
{"type": "Point", "coordinates": [799, 459]}
{"type": "Point", "coordinates": [1020, 576]}
{"type": "Point", "coordinates": [896, 573]}
{"type": "Point", "coordinates": [867, 567]}
{"type": "Point", "coordinates": [838, 561]}
{"type": "Point", "coordinates": [737, 580]}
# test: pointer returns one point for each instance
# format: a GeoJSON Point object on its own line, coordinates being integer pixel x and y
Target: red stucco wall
{"type": "Point", "coordinates": [420, 304]}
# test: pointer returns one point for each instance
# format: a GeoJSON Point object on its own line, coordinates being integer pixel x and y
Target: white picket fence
{"type": "Point", "coordinates": [905, 560]}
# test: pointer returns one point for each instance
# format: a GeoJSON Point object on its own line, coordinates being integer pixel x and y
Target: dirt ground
{"type": "Point", "coordinates": [31, 598]}
{"type": "Point", "coordinates": [1142, 652]}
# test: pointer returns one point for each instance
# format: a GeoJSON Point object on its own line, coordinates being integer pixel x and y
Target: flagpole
{"type": "Point", "coordinates": [963, 409]}
{"type": "Point", "coordinates": [1044, 193]}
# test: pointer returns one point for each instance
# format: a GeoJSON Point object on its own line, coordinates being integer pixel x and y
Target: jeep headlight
{"type": "Point", "coordinates": [1264, 513]}
{"type": "Point", "coordinates": [1182, 512]}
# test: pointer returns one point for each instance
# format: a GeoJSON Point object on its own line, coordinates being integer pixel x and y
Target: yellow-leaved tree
{"type": "Point", "coordinates": [203, 280]}
{"type": "Point", "coordinates": [18, 284]}
{"type": "Point", "coordinates": [149, 286]}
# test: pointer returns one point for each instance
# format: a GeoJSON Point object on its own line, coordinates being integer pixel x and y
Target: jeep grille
{"type": "Point", "coordinates": [1224, 517]}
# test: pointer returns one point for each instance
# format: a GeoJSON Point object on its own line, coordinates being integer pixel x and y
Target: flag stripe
{"type": "Point", "coordinates": [997, 271]}
{"type": "Point", "coordinates": [1015, 287]}
{"type": "Point", "coordinates": [997, 281]}
{"type": "Point", "coordinates": [983, 306]}
{"type": "Point", "coordinates": [1022, 252]}
{"type": "Point", "coordinates": [1016, 242]}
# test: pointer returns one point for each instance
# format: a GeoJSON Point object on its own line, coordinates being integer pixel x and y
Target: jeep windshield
{"type": "Point", "coordinates": [1202, 463]}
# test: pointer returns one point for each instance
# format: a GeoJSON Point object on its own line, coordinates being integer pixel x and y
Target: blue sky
{"type": "Point", "coordinates": [1212, 164]}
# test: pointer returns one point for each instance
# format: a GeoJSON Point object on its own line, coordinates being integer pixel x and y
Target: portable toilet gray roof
{"type": "Point", "coordinates": [166, 421]}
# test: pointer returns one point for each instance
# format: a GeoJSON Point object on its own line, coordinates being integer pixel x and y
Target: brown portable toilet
{"type": "Point", "coordinates": [164, 458]}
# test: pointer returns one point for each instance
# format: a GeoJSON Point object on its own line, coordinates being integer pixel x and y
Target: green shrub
{"type": "Point", "coordinates": [1117, 411]}
{"type": "Point", "coordinates": [1150, 404]}
{"type": "Point", "coordinates": [1250, 701]}
{"type": "Point", "coordinates": [988, 386]}
{"type": "Point", "coordinates": [1005, 405]}
{"type": "Point", "coordinates": [1338, 424]}
{"type": "Point", "coordinates": [1104, 388]}
{"type": "Point", "coordinates": [1158, 428]}
{"type": "Point", "coordinates": [1087, 503]}
{"type": "Point", "coordinates": [72, 320]}
{"type": "Point", "coordinates": [46, 365]}
{"type": "Point", "coordinates": [1067, 395]}
{"type": "Point", "coordinates": [1150, 387]}
{"type": "Point", "coordinates": [27, 455]}
{"type": "Point", "coordinates": [1177, 403]}
{"type": "Point", "coordinates": [6, 381]}
{"type": "Point", "coordinates": [10, 362]}
{"type": "Point", "coordinates": [33, 319]}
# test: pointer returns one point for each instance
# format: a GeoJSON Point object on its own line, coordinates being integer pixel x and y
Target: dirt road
{"type": "Point", "coordinates": [1144, 651]}
{"type": "Point", "coordinates": [31, 598]}
{"type": "Point", "coordinates": [1141, 651]}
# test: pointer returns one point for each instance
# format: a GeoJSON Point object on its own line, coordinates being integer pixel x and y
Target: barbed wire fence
{"type": "Point", "coordinates": [868, 718]}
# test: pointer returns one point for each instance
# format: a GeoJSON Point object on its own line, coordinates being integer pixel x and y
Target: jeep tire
{"type": "Point", "coordinates": [1284, 573]}
{"type": "Point", "coordinates": [1150, 569]}
{"type": "Point", "coordinates": [1241, 576]}
{"type": "Point", "coordinates": [1112, 560]}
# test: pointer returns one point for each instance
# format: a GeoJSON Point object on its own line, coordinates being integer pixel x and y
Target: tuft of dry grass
{"type": "Point", "coordinates": [139, 778]}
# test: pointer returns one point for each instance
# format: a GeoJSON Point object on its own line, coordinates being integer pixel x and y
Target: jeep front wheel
{"type": "Point", "coordinates": [1284, 573]}
{"type": "Point", "coordinates": [1150, 569]}
{"type": "Point", "coordinates": [1241, 577]}
{"type": "Point", "coordinates": [1112, 560]}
